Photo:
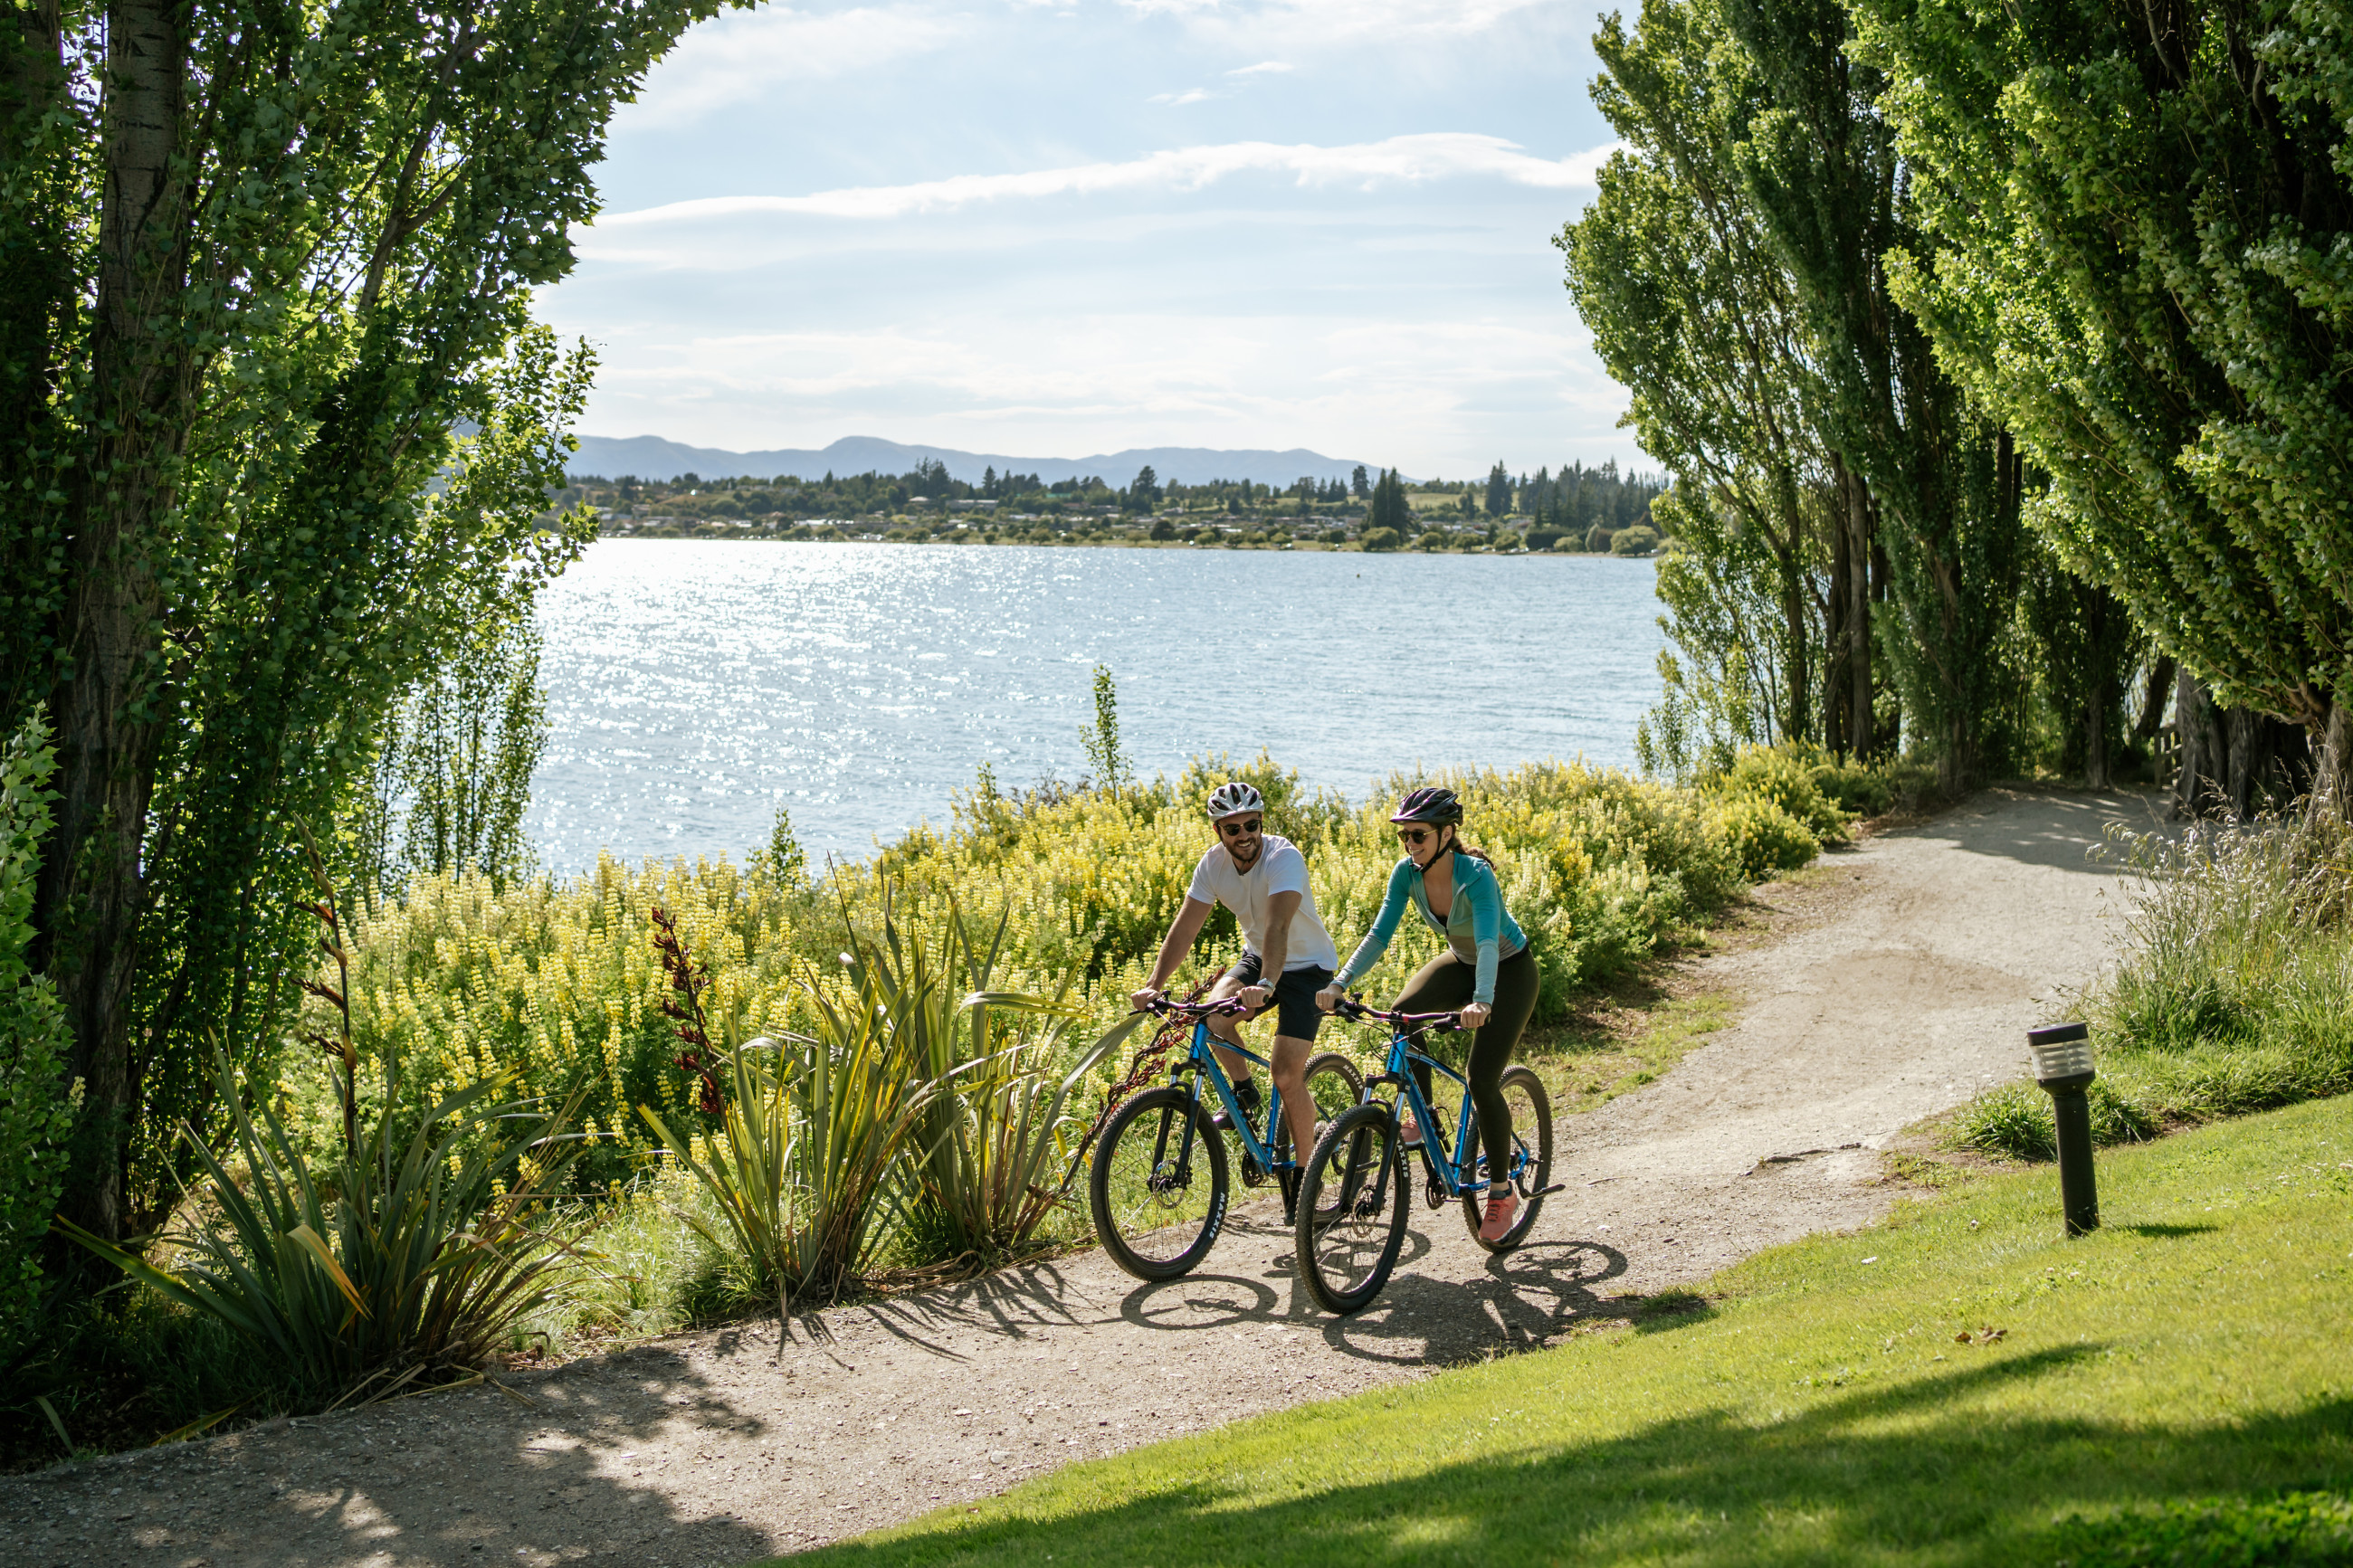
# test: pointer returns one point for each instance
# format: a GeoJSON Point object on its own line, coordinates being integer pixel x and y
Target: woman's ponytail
{"type": "Point", "coordinates": [1470, 849]}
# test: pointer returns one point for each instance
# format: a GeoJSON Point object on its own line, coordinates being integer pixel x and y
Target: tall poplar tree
{"type": "Point", "coordinates": [275, 424]}
{"type": "Point", "coordinates": [1692, 311]}
{"type": "Point", "coordinates": [1818, 161]}
{"type": "Point", "coordinates": [2134, 222]}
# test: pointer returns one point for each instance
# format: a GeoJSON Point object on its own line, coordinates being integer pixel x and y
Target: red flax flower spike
{"type": "Point", "coordinates": [690, 980]}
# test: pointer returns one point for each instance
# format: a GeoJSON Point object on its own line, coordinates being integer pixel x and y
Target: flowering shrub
{"type": "Point", "coordinates": [562, 982]}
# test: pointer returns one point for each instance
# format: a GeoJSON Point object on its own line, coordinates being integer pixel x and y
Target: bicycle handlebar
{"type": "Point", "coordinates": [1169, 1007]}
{"type": "Point", "coordinates": [1349, 1007]}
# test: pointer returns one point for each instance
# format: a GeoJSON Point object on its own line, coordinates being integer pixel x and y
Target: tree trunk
{"type": "Point", "coordinates": [2332, 773]}
{"type": "Point", "coordinates": [2096, 774]}
{"type": "Point", "coordinates": [2097, 607]}
{"type": "Point", "coordinates": [1800, 673]}
{"type": "Point", "coordinates": [2153, 699]}
{"type": "Point", "coordinates": [1838, 709]}
{"type": "Point", "coordinates": [2235, 762]}
{"type": "Point", "coordinates": [1855, 546]}
{"type": "Point", "coordinates": [106, 702]}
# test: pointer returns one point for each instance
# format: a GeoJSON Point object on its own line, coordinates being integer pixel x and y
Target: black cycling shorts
{"type": "Point", "coordinates": [1296, 1014]}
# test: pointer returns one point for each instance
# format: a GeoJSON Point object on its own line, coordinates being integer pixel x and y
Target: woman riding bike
{"type": "Point", "coordinates": [1487, 973]}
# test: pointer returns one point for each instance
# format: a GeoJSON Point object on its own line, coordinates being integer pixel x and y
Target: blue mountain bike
{"type": "Point", "coordinates": [1354, 1194]}
{"type": "Point", "coordinates": [1158, 1184]}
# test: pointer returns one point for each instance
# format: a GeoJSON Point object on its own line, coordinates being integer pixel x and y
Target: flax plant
{"type": "Point", "coordinates": [989, 1174]}
{"type": "Point", "coordinates": [806, 1167]}
{"type": "Point", "coordinates": [407, 1259]}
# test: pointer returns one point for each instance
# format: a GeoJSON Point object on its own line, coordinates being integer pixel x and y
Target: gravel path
{"type": "Point", "coordinates": [1897, 987]}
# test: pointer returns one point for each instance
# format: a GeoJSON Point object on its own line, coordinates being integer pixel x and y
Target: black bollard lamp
{"type": "Point", "coordinates": [2063, 1066]}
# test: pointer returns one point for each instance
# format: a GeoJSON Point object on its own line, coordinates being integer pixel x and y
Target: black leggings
{"type": "Point", "coordinates": [1444, 984]}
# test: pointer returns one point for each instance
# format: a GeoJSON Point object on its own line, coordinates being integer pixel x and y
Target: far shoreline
{"type": "Point", "coordinates": [1296, 547]}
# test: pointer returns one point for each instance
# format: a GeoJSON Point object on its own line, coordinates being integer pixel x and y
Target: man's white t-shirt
{"type": "Point", "coordinates": [1279, 869]}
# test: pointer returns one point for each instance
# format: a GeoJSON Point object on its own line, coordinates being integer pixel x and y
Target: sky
{"type": "Point", "coordinates": [1056, 230]}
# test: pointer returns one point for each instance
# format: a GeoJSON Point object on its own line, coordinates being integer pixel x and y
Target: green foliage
{"type": "Point", "coordinates": [784, 859]}
{"type": "Point", "coordinates": [1389, 509]}
{"type": "Point", "coordinates": [1763, 837]}
{"type": "Point", "coordinates": [1848, 521]}
{"type": "Point", "coordinates": [278, 428]}
{"type": "Point", "coordinates": [1694, 312]}
{"type": "Point", "coordinates": [1638, 539]}
{"type": "Point", "coordinates": [1381, 538]}
{"type": "Point", "coordinates": [397, 1260]}
{"type": "Point", "coordinates": [915, 1082]}
{"type": "Point", "coordinates": [2292, 1528]}
{"type": "Point", "coordinates": [2130, 250]}
{"type": "Point", "coordinates": [452, 778]}
{"type": "Point", "coordinates": [992, 1153]}
{"type": "Point", "coordinates": [1499, 491]}
{"type": "Point", "coordinates": [1107, 764]}
{"type": "Point", "coordinates": [2017, 1120]}
{"type": "Point", "coordinates": [559, 984]}
{"type": "Point", "coordinates": [2235, 994]}
{"type": "Point", "coordinates": [36, 1105]}
{"type": "Point", "coordinates": [1858, 788]}
{"type": "Point", "coordinates": [1792, 778]}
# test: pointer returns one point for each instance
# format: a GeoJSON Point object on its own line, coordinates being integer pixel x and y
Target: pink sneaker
{"type": "Point", "coordinates": [1502, 1209]}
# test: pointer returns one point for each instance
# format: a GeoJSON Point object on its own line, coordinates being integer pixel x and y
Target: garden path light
{"type": "Point", "coordinates": [2063, 1066]}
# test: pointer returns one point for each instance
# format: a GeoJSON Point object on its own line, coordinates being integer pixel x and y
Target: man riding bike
{"type": "Point", "coordinates": [1262, 878]}
{"type": "Point", "coordinates": [1487, 972]}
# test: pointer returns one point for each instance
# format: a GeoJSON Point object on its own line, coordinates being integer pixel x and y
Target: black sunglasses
{"type": "Point", "coordinates": [1412, 835]}
{"type": "Point", "coordinates": [1236, 829]}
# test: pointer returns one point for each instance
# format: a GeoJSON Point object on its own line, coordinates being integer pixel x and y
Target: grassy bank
{"type": "Point", "coordinates": [1958, 1385]}
{"type": "Point", "coordinates": [2233, 992]}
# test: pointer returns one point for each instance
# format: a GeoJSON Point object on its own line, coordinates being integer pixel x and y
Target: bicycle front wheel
{"type": "Point", "coordinates": [1531, 1171]}
{"type": "Point", "coordinates": [1352, 1210]}
{"type": "Point", "coordinates": [1158, 1184]}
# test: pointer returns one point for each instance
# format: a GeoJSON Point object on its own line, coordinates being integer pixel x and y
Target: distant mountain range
{"type": "Point", "coordinates": [652, 457]}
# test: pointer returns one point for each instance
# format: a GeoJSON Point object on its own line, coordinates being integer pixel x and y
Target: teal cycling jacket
{"type": "Point", "coordinates": [1477, 927]}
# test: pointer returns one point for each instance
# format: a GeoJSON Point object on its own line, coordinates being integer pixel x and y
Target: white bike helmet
{"type": "Point", "coordinates": [1232, 798]}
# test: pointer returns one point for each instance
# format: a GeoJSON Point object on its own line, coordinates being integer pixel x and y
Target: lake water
{"type": "Point", "coordinates": [693, 686]}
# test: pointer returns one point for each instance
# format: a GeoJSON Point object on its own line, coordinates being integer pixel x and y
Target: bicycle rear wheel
{"type": "Point", "coordinates": [1531, 1109]}
{"type": "Point", "coordinates": [1352, 1210]}
{"type": "Point", "coordinates": [1335, 1084]}
{"type": "Point", "coordinates": [1158, 1184]}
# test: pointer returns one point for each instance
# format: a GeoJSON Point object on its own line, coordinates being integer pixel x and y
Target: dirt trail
{"type": "Point", "coordinates": [1909, 996]}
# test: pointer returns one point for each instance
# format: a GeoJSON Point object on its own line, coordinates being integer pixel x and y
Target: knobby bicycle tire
{"type": "Point", "coordinates": [1343, 1083]}
{"type": "Point", "coordinates": [1536, 1174]}
{"type": "Point", "coordinates": [1346, 1240]}
{"type": "Point", "coordinates": [1127, 1190]}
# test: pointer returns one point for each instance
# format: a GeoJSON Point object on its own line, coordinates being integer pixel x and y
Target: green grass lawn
{"type": "Point", "coordinates": [1820, 1409]}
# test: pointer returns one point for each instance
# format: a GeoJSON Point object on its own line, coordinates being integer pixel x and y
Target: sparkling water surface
{"type": "Point", "coordinates": [695, 685]}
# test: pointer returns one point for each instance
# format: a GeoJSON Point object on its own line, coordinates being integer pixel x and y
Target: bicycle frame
{"type": "Point", "coordinates": [1445, 1169]}
{"type": "Point", "coordinates": [1202, 1062]}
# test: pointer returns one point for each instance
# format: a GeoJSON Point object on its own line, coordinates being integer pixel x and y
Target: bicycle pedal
{"type": "Point", "coordinates": [1548, 1191]}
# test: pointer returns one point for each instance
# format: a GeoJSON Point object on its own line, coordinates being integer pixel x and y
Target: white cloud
{"type": "Point", "coordinates": [1178, 99]}
{"type": "Point", "coordinates": [1410, 160]}
{"type": "Point", "coordinates": [1263, 67]}
{"type": "Point", "coordinates": [746, 55]}
{"type": "Point", "coordinates": [1323, 23]}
